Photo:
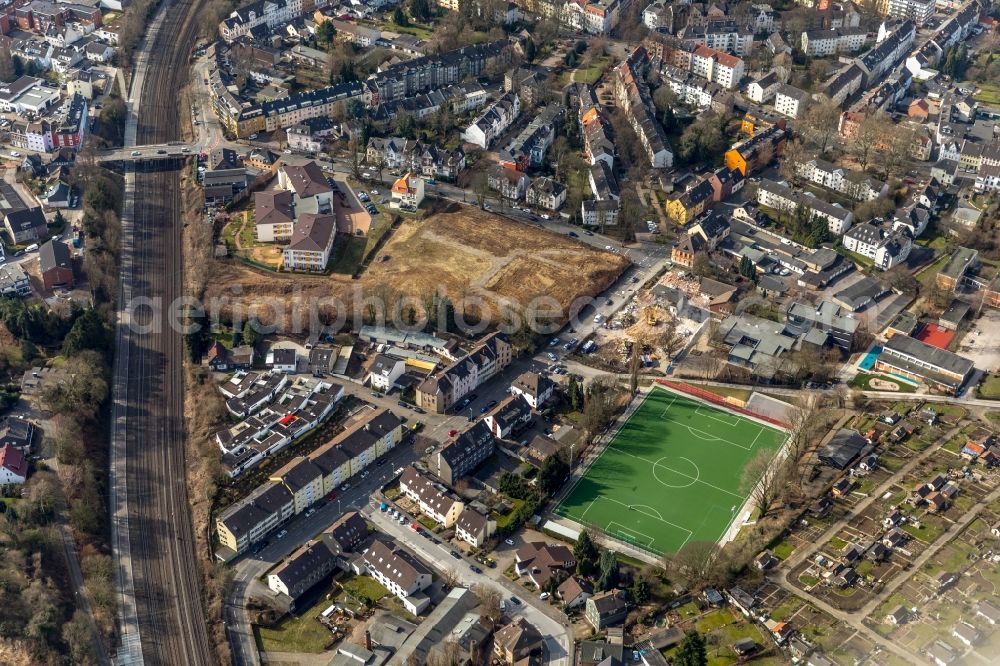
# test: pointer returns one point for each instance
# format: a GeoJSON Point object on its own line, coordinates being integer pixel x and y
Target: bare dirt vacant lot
{"type": "Point", "coordinates": [464, 253]}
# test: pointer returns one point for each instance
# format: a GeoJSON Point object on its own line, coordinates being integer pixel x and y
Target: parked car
{"type": "Point", "coordinates": [543, 595]}
{"type": "Point", "coordinates": [282, 534]}
{"type": "Point", "coordinates": [509, 542]}
{"type": "Point", "coordinates": [475, 569]}
{"type": "Point", "coordinates": [456, 555]}
{"type": "Point", "coordinates": [515, 601]}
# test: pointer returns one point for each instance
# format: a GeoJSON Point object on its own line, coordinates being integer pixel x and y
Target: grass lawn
{"type": "Point", "coordinates": [988, 93]}
{"type": "Point", "coordinates": [671, 474]}
{"type": "Point", "coordinates": [954, 413]}
{"type": "Point", "coordinates": [348, 251]}
{"type": "Point", "coordinates": [417, 30]}
{"type": "Point", "coordinates": [928, 532]}
{"type": "Point", "coordinates": [297, 634]}
{"type": "Point", "coordinates": [783, 550]}
{"type": "Point", "coordinates": [364, 587]}
{"type": "Point", "coordinates": [787, 608]}
{"type": "Point", "coordinates": [713, 620]}
{"type": "Point", "coordinates": [926, 276]}
{"type": "Point", "coordinates": [837, 543]}
{"type": "Point", "coordinates": [862, 381]}
{"type": "Point", "coordinates": [990, 390]}
{"type": "Point", "coordinates": [806, 579]}
{"type": "Point", "coordinates": [428, 523]}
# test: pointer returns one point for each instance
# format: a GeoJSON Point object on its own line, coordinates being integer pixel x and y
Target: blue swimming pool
{"type": "Point", "coordinates": [868, 362]}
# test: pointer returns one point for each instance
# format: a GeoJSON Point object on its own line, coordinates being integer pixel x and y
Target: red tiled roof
{"type": "Point", "coordinates": [12, 459]}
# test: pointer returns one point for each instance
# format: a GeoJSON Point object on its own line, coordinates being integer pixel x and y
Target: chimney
{"type": "Point", "coordinates": [368, 640]}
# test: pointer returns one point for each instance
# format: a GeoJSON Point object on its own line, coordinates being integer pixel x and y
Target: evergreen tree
{"type": "Point", "coordinates": [399, 17]}
{"type": "Point", "coordinates": [586, 553]}
{"type": "Point", "coordinates": [609, 571]}
{"type": "Point", "coordinates": [747, 269]}
{"type": "Point", "coordinates": [251, 332]}
{"type": "Point", "coordinates": [529, 50]}
{"type": "Point", "coordinates": [639, 592]}
{"type": "Point", "coordinates": [692, 651]}
{"type": "Point", "coordinates": [552, 473]}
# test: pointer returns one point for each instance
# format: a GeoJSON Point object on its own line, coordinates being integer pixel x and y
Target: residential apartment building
{"type": "Point", "coordinates": [595, 17]}
{"type": "Point", "coordinates": [754, 153]}
{"type": "Point", "coordinates": [528, 148]}
{"type": "Point", "coordinates": [885, 248]}
{"type": "Point", "coordinates": [268, 13]}
{"type": "Point", "coordinates": [544, 192]}
{"type": "Point", "coordinates": [303, 479]}
{"type": "Point", "coordinates": [510, 183]}
{"type": "Point", "coordinates": [780, 197]}
{"type": "Point", "coordinates": [443, 389]}
{"type": "Point", "coordinates": [400, 573]}
{"type": "Point", "coordinates": [762, 90]}
{"type": "Point", "coordinates": [509, 418]}
{"type": "Point", "coordinates": [415, 157]}
{"type": "Point", "coordinates": [313, 194]}
{"type": "Point", "coordinates": [406, 79]}
{"type": "Point", "coordinates": [717, 66]}
{"type": "Point", "coordinates": [598, 213]}
{"type": "Point", "coordinates": [824, 43]}
{"type": "Point", "coordinates": [722, 34]}
{"type": "Point", "coordinates": [918, 11]}
{"type": "Point", "coordinates": [474, 528]}
{"type": "Point", "coordinates": [367, 440]}
{"type": "Point", "coordinates": [407, 192]}
{"type": "Point", "coordinates": [309, 247]}
{"type": "Point", "coordinates": [250, 520]}
{"type": "Point", "coordinates": [14, 281]}
{"type": "Point", "coordinates": [790, 101]}
{"type": "Point", "coordinates": [493, 121]}
{"type": "Point", "coordinates": [854, 184]}
{"type": "Point", "coordinates": [434, 500]}
{"type": "Point", "coordinates": [536, 389]}
{"type": "Point", "coordinates": [892, 45]}
{"type": "Point", "coordinates": [274, 216]}
{"type": "Point", "coordinates": [465, 453]}
{"type": "Point", "coordinates": [306, 566]}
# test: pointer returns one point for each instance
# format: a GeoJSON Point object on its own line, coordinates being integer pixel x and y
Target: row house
{"type": "Point", "coordinates": [597, 142]}
{"type": "Point", "coordinates": [440, 391]}
{"type": "Point", "coordinates": [408, 78]}
{"type": "Point", "coordinates": [493, 121]}
{"type": "Point", "coordinates": [528, 148]}
{"type": "Point", "coordinates": [546, 193]}
{"type": "Point", "coordinates": [433, 500]}
{"type": "Point", "coordinates": [632, 95]}
{"type": "Point", "coordinates": [415, 157]}
{"type": "Point", "coordinates": [783, 198]}
{"type": "Point", "coordinates": [463, 98]}
{"type": "Point", "coordinates": [40, 16]}
{"type": "Point", "coordinates": [892, 45]}
{"type": "Point", "coordinates": [268, 13]}
{"type": "Point", "coordinates": [250, 520]}
{"type": "Point", "coordinates": [856, 185]}
{"type": "Point", "coordinates": [844, 83]}
{"type": "Point", "coordinates": [887, 248]}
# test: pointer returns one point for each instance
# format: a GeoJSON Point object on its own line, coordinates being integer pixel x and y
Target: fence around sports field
{"type": "Point", "coordinates": [734, 405]}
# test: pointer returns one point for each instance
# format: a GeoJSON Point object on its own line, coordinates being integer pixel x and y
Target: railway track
{"type": "Point", "coordinates": [162, 597]}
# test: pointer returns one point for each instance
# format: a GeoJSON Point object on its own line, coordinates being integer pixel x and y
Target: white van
{"type": "Point", "coordinates": [31, 248]}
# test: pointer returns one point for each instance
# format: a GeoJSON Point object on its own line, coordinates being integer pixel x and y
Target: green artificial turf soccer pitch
{"type": "Point", "coordinates": [670, 475]}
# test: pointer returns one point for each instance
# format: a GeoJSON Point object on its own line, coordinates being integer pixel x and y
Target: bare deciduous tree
{"type": "Point", "coordinates": [762, 479]}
